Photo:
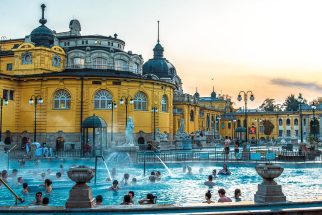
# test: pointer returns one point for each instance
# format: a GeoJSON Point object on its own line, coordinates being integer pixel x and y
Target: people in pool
{"type": "Point", "coordinates": [200, 170]}
{"type": "Point", "coordinates": [48, 186]}
{"type": "Point", "coordinates": [125, 179]}
{"type": "Point", "coordinates": [45, 201]}
{"type": "Point", "coordinates": [184, 169]}
{"type": "Point", "coordinates": [224, 170]}
{"type": "Point", "coordinates": [134, 180]}
{"type": "Point", "coordinates": [210, 183]}
{"type": "Point", "coordinates": [222, 196]}
{"type": "Point", "coordinates": [25, 189]}
{"type": "Point", "coordinates": [20, 180]}
{"type": "Point", "coordinates": [208, 197]}
{"type": "Point", "coordinates": [61, 169]}
{"type": "Point", "coordinates": [126, 200]}
{"type": "Point", "coordinates": [152, 177]}
{"type": "Point", "coordinates": [131, 194]}
{"type": "Point", "coordinates": [189, 170]}
{"type": "Point", "coordinates": [237, 195]}
{"type": "Point", "coordinates": [158, 175]}
{"type": "Point", "coordinates": [38, 200]}
{"type": "Point", "coordinates": [214, 173]}
{"type": "Point", "coordinates": [99, 200]}
{"type": "Point", "coordinates": [58, 175]}
{"type": "Point", "coordinates": [150, 199]}
{"type": "Point", "coordinates": [115, 186]}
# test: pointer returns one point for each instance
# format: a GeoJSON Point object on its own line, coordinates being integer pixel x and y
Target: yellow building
{"type": "Point", "coordinates": [53, 81]}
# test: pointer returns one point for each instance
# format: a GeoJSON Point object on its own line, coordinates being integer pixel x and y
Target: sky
{"type": "Point", "coordinates": [271, 47]}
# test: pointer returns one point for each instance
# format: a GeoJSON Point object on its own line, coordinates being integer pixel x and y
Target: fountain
{"type": "Point", "coordinates": [119, 158]}
{"type": "Point", "coordinates": [183, 140]}
{"type": "Point", "coordinates": [80, 196]}
{"type": "Point", "coordinates": [269, 190]}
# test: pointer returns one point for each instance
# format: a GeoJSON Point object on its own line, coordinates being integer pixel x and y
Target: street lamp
{"type": "Point", "coordinates": [218, 118]}
{"type": "Point", "coordinates": [2, 102]}
{"type": "Point", "coordinates": [314, 124]}
{"type": "Point", "coordinates": [300, 100]}
{"type": "Point", "coordinates": [239, 98]}
{"type": "Point", "coordinates": [113, 106]}
{"type": "Point", "coordinates": [127, 100]}
{"type": "Point", "coordinates": [154, 110]}
{"type": "Point", "coordinates": [234, 127]}
{"type": "Point", "coordinates": [35, 100]}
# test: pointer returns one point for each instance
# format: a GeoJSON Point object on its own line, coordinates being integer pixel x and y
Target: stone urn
{"type": "Point", "coordinates": [80, 196]}
{"type": "Point", "coordinates": [269, 190]}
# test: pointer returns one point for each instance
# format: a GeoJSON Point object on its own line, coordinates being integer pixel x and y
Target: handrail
{"type": "Point", "coordinates": [12, 148]}
{"type": "Point", "coordinates": [11, 191]}
{"type": "Point", "coordinates": [8, 151]}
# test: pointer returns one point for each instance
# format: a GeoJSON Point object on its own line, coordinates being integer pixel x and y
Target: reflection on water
{"type": "Point", "coordinates": [297, 182]}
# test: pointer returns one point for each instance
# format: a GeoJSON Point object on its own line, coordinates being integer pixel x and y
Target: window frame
{"type": "Point", "coordinates": [99, 101]}
{"type": "Point", "coordinates": [58, 98]}
{"type": "Point", "coordinates": [164, 104]}
{"type": "Point", "coordinates": [140, 101]}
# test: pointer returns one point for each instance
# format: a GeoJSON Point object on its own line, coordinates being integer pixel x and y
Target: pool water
{"type": "Point", "coordinates": [298, 182]}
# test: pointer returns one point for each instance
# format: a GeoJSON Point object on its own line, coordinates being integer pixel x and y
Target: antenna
{"type": "Point", "coordinates": [158, 31]}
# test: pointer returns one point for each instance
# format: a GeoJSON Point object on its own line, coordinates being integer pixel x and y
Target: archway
{"type": "Point", "coordinates": [60, 142]}
{"type": "Point", "coordinates": [24, 141]}
{"type": "Point", "coordinates": [141, 140]}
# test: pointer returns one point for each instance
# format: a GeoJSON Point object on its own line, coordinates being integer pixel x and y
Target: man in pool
{"type": "Point", "coordinates": [38, 200]}
{"type": "Point", "coordinates": [224, 170]}
{"type": "Point", "coordinates": [210, 183]}
{"type": "Point", "coordinates": [99, 200]}
{"type": "Point", "coordinates": [115, 186]}
{"type": "Point", "coordinates": [222, 196]}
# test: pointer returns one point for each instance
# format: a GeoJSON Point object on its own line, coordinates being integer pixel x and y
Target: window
{"type": "Point", "coordinates": [296, 122]}
{"type": "Point", "coordinates": [280, 133]}
{"type": "Point", "coordinates": [56, 61]}
{"type": "Point", "coordinates": [192, 116]}
{"type": "Point", "coordinates": [140, 101]}
{"type": "Point", "coordinates": [238, 123]}
{"type": "Point", "coordinates": [296, 133]}
{"type": "Point", "coordinates": [288, 133]}
{"type": "Point", "coordinates": [103, 100]}
{"type": "Point", "coordinates": [288, 122]}
{"type": "Point", "coordinates": [9, 66]}
{"type": "Point", "coordinates": [62, 99]}
{"type": "Point", "coordinates": [261, 128]}
{"type": "Point", "coordinates": [7, 94]}
{"type": "Point", "coordinates": [208, 122]}
{"type": "Point", "coordinates": [304, 122]}
{"type": "Point", "coordinates": [135, 67]}
{"type": "Point", "coordinates": [229, 125]}
{"type": "Point", "coordinates": [26, 58]}
{"type": "Point", "coordinates": [98, 42]}
{"type": "Point", "coordinates": [121, 65]}
{"type": "Point", "coordinates": [212, 121]}
{"type": "Point", "coordinates": [280, 122]}
{"type": "Point", "coordinates": [164, 104]}
{"type": "Point", "coordinates": [100, 63]}
{"type": "Point", "coordinates": [78, 62]}
{"type": "Point", "coordinates": [223, 125]}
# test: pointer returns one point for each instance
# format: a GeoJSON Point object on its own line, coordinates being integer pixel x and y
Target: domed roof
{"type": "Point", "coordinates": [42, 36]}
{"type": "Point", "coordinates": [94, 122]}
{"type": "Point", "coordinates": [160, 67]}
{"type": "Point", "coordinates": [196, 95]}
{"type": "Point", "coordinates": [213, 94]}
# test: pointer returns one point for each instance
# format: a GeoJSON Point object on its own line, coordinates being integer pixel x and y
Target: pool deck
{"type": "Point", "coordinates": [303, 207]}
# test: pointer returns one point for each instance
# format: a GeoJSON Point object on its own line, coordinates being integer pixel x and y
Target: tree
{"type": "Point", "coordinates": [317, 101]}
{"type": "Point", "coordinates": [291, 103]}
{"type": "Point", "coordinates": [268, 105]}
{"type": "Point", "coordinates": [268, 127]}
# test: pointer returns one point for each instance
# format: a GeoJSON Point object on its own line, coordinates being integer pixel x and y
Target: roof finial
{"type": "Point", "coordinates": [158, 31]}
{"type": "Point", "coordinates": [43, 20]}
{"type": "Point", "coordinates": [196, 89]}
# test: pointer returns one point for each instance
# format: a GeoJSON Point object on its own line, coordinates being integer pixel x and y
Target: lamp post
{"type": "Point", "coordinates": [113, 106]}
{"type": "Point", "coordinates": [35, 100]}
{"type": "Point", "coordinates": [314, 124]}
{"type": "Point", "coordinates": [244, 94]}
{"type": "Point", "coordinates": [218, 121]}
{"type": "Point", "coordinates": [127, 100]}
{"type": "Point", "coordinates": [300, 100]}
{"type": "Point", "coordinates": [234, 127]}
{"type": "Point", "coordinates": [154, 110]}
{"type": "Point", "coordinates": [2, 102]}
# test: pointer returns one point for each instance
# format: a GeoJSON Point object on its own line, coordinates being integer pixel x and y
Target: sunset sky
{"type": "Point", "coordinates": [272, 47]}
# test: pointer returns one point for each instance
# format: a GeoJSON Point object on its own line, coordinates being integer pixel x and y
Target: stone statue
{"type": "Point", "coordinates": [129, 137]}
{"type": "Point", "coordinates": [181, 129]}
{"type": "Point", "coordinates": [159, 136]}
{"type": "Point", "coordinates": [181, 134]}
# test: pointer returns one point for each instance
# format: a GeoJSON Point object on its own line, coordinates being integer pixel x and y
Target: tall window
{"type": "Point", "coordinates": [238, 123]}
{"type": "Point", "coordinates": [164, 104]}
{"type": "Point", "coordinates": [280, 122]}
{"type": "Point", "coordinates": [280, 133]}
{"type": "Point", "coordinates": [103, 100]}
{"type": "Point", "coordinates": [192, 116]}
{"type": "Point", "coordinates": [121, 65]}
{"type": "Point", "coordinates": [78, 62]}
{"type": "Point", "coordinates": [140, 101]}
{"type": "Point", "coordinates": [288, 133]}
{"type": "Point", "coordinates": [288, 122]}
{"type": "Point", "coordinates": [7, 94]}
{"type": "Point", "coordinates": [296, 122]}
{"type": "Point", "coordinates": [62, 99]}
{"type": "Point", "coordinates": [208, 122]}
{"type": "Point", "coordinates": [100, 63]}
{"type": "Point", "coordinates": [229, 125]}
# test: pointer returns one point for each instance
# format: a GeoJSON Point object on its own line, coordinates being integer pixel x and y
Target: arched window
{"type": "Point", "coordinates": [140, 101]}
{"type": "Point", "coordinates": [212, 121]}
{"type": "Point", "coordinates": [164, 104]}
{"type": "Point", "coordinates": [135, 67]}
{"type": "Point", "coordinates": [62, 99]}
{"type": "Point", "coordinates": [192, 116]}
{"type": "Point", "coordinates": [100, 63]}
{"type": "Point", "coordinates": [229, 125]}
{"type": "Point", "coordinates": [288, 122]}
{"type": "Point", "coordinates": [296, 122]}
{"type": "Point", "coordinates": [103, 100]}
{"type": "Point", "coordinates": [78, 62]}
{"type": "Point", "coordinates": [208, 122]}
{"type": "Point", "coordinates": [238, 123]}
{"type": "Point", "coordinates": [121, 65]}
{"type": "Point", "coordinates": [280, 122]}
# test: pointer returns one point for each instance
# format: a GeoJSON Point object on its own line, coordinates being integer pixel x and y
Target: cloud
{"type": "Point", "coordinates": [297, 84]}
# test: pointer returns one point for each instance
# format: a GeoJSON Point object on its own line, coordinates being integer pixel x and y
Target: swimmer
{"type": "Point", "coordinates": [45, 201]}
{"type": "Point", "coordinates": [114, 186]}
{"type": "Point", "coordinates": [152, 177]}
{"type": "Point", "coordinates": [134, 180]}
{"type": "Point", "coordinates": [200, 170]}
{"type": "Point", "coordinates": [131, 194]}
{"type": "Point", "coordinates": [43, 175]}
{"type": "Point", "coordinates": [184, 169]}
{"type": "Point", "coordinates": [14, 173]}
{"type": "Point", "coordinates": [224, 171]}
{"type": "Point", "coordinates": [25, 189]}
{"type": "Point", "coordinates": [126, 200]}
{"type": "Point", "coordinates": [237, 195]}
{"type": "Point", "coordinates": [61, 169]}
{"type": "Point", "coordinates": [58, 175]}
{"type": "Point", "coordinates": [214, 173]}
{"type": "Point", "coordinates": [208, 197]}
{"type": "Point", "coordinates": [222, 196]}
{"type": "Point", "coordinates": [125, 179]}
{"type": "Point", "coordinates": [189, 170]}
{"type": "Point", "coordinates": [48, 171]}
{"type": "Point", "coordinates": [20, 180]}
{"type": "Point", "coordinates": [99, 200]}
{"type": "Point", "coordinates": [158, 175]}
{"type": "Point", "coordinates": [210, 183]}
{"type": "Point", "coordinates": [48, 186]}
{"type": "Point", "coordinates": [4, 175]}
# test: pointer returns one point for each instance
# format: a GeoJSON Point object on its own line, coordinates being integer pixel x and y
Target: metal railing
{"type": "Point", "coordinates": [18, 198]}
{"type": "Point", "coordinates": [190, 155]}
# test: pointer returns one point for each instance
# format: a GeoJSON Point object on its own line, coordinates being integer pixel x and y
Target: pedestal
{"type": "Point", "coordinates": [80, 196]}
{"type": "Point", "coordinates": [269, 193]}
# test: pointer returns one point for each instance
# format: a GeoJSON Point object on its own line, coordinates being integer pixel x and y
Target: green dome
{"type": "Point", "coordinates": [42, 36]}
{"type": "Point", "coordinates": [94, 122]}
